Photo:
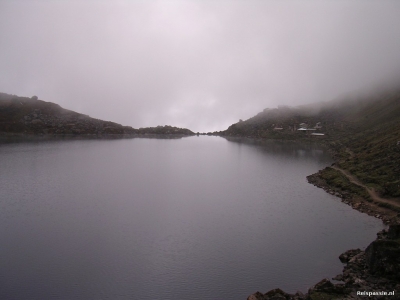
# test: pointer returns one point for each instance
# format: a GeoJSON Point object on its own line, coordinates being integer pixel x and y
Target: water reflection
{"type": "Point", "coordinates": [164, 219]}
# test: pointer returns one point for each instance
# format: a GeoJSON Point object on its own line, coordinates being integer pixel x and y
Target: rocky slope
{"type": "Point", "coordinates": [373, 274]}
{"type": "Point", "coordinates": [30, 116]}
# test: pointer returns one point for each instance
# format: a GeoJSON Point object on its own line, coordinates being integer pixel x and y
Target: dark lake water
{"type": "Point", "coordinates": [192, 218]}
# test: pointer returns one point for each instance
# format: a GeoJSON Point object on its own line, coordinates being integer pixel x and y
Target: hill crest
{"type": "Point", "coordinates": [31, 116]}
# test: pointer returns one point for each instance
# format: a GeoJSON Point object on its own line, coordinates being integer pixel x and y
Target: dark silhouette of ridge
{"type": "Point", "coordinates": [31, 116]}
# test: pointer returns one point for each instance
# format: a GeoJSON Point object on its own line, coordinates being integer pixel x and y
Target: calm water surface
{"type": "Point", "coordinates": [193, 218]}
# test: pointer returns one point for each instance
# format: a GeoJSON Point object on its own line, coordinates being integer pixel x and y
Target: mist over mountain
{"type": "Point", "coordinates": [362, 130]}
{"type": "Point", "coordinates": [201, 65]}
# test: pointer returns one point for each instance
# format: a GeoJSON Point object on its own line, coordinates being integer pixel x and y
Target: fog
{"type": "Point", "coordinates": [202, 65]}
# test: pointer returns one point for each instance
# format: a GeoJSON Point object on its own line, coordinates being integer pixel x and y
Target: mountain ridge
{"type": "Point", "coordinates": [31, 116]}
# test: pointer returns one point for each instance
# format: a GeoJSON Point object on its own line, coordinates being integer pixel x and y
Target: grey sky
{"type": "Point", "coordinates": [195, 64]}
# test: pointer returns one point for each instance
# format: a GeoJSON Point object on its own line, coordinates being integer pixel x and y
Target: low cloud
{"type": "Point", "coordinates": [196, 64]}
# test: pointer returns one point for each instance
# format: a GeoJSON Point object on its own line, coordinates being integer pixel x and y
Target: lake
{"type": "Point", "coordinates": [191, 218]}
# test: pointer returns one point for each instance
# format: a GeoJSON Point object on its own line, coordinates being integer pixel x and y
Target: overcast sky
{"type": "Point", "coordinates": [202, 65]}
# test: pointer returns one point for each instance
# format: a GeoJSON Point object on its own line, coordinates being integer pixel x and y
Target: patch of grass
{"type": "Point", "coordinates": [389, 206]}
{"type": "Point", "coordinates": [336, 179]}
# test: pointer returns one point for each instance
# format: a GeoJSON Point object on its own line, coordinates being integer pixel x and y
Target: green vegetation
{"type": "Point", "coordinates": [30, 116]}
{"type": "Point", "coordinates": [336, 179]}
{"type": "Point", "coordinates": [165, 130]}
{"type": "Point", "coordinates": [362, 132]}
{"type": "Point", "coordinates": [376, 157]}
{"type": "Point", "coordinates": [389, 206]}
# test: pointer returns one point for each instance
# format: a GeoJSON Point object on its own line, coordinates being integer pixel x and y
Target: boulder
{"type": "Point", "coordinates": [277, 294]}
{"type": "Point", "coordinates": [256, 296]}
{"type": "Point", "coordinates": [346, 256]}
{"type": "Point", "coordinates": [394, 232]}
{"type": "Point", "coordinates": [325, 286]}
{"type": "Point", "coordinates": [383, 258]}
{"type": "Point", "coordinates": [37, 122]}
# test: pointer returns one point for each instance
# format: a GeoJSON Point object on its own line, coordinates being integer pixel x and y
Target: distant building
{"type": "Point", "coordinates": [306, 129]}
{"type": "Point", "coordinates": [303, 126]}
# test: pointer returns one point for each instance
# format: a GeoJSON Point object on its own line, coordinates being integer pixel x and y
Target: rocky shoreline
{"type": "Point", "coordinates": [370, 273]}
{"type": "Point", "coordinates": [387, 215]}
{"type": "Point", "coordinates": [373, 273]}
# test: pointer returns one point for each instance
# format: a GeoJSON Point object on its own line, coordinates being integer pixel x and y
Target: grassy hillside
{"type": "Point", "coordinates": [21, 115]}
{"type": "Point", "coordinates": [30, 116]}
{"type": "Point", "coordinates": [370, 150]}
{"type": "Point", "coordinates": [363, 133]}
